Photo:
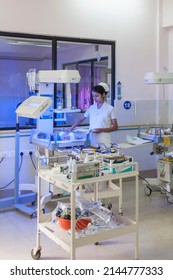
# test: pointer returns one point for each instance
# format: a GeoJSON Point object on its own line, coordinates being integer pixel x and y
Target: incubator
{"type": "Point", "coordinates": [162, 137]}
{"type": "Point", "coordinates": [42, 84]}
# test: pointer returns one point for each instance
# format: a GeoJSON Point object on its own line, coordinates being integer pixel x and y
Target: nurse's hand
{"type": "Point", "coordinates": [68, 130]}
{"type": "Point", "coordinates": [97, 130]}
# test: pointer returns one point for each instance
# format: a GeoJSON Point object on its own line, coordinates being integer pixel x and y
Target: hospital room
{"type": "Point", "coordinates": [86, 130]}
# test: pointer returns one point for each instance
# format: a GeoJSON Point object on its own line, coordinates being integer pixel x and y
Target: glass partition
{"type": "Point", "coordinates": [92, 72]}
{"type": "Point", "coordinates": [16, 58]}
{"type": "Point", "coordinates": [19, 53]}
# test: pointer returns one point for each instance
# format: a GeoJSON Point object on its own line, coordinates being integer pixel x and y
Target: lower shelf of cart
{"type": "Point", "coordinates": [107, 192]}
{"type": "Point", "coordinates": [63, 237]}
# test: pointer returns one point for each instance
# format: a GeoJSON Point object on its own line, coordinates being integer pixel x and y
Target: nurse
{"type": "Point", "coordinates": [102, 118]}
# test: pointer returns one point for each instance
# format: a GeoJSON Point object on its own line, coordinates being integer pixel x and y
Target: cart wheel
{"type": "Point", "coordinates": [37, 255]}
{"type": "Point", "coordinates": [97, 243]}
{"type": "Point", "coordinates": [147, 190]}
{"type": "Point", "coordinates": [170, 199]}
{"type": "Point", "coordinates": [33, 215]}
{"type": "Point", "coordinates": [110, 206]}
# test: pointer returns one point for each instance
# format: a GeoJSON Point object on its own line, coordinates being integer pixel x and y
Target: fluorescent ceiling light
{"type": "Point", "coordinates": [30, 43]}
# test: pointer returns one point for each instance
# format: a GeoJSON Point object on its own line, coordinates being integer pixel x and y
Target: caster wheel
{"type": "Point", "coordinates": [147, 190]}
{"type": "Point", "coordinates": [170, 199]}
{"type": "Point", "coordinates": [33, 215]}
{"type": "Point", "coordinates": [110, 206]}
{"type": "Point", "coordinates": [37, 255]}
{"type": "Point", "coordinates": [97, 243]}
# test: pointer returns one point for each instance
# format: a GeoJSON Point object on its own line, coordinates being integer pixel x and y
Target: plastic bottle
{"type": "Point", "coordinates": [86, 158]}
{"type": "Point", "coordinates": [59, 101]}
{"type": "Point", "coordinates": [70, 164]}
{"type": "Point", "coordinates": [74, 168]}
{"type": "Point", "coordinates": [119, 91]}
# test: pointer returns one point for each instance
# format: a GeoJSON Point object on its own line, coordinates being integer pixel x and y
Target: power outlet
{"type": "Point", "coordinates": [11, 154]}
{"type": "Point", "coordinates": [28, 152]}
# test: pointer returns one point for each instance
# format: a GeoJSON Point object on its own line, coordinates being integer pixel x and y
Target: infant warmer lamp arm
{"type": "Point", "coordinates": [158, 78]}
{"type": "Point", "coordinates": [66, 77]}
{"type": "Point", "coordinates": [32, 107]}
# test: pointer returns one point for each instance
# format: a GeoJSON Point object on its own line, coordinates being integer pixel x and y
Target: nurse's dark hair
{"type": "Point", "coordinates": [99, 89]}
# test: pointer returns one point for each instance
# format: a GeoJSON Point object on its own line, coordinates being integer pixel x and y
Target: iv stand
{"type": "Point", "coordinates": [20, 200]}
{"type": "Point", "coordinates": [32, 107]}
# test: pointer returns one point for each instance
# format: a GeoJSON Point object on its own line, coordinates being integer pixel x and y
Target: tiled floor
{"type": "Point", "coordinates": [18, 233]}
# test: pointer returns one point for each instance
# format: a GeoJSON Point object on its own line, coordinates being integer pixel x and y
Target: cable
{"type": "Point", "coordinates": [103, 145]}
{"type": "Point", "coordinates": [166, 190]}
{"type": "Point", "coordinates": [30, 153]}
{"type": "Point", "coordinates": [145, 180]}
{"type": "Point", "coordinates": [21, 154]}
{"type": "Point", "coordinates": [2, 159]}
{"type": "Point", "coordinates": [150, 186]}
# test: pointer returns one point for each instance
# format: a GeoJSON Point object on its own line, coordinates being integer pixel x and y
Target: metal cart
{"type": "Point", "coordinates": [70, 242]}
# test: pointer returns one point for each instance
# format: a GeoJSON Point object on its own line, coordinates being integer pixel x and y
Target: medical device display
{"type": "Point", "coordinates": [34, 106]}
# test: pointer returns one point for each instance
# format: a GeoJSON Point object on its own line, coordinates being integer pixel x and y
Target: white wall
{"type": "Point", "coordinates": [167, 13]}
{"type": "Point", "coordinates": [7, 166]}
{"type": "Point", "coordinates": [167, 23]}
{"type": "Point", "coordinates": [132, 24]}
{"type": "Point", "coordinates": [135, 25]}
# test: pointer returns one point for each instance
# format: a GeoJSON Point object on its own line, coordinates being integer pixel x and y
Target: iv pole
{"type": "Point", "coordinates": [33, 107]}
